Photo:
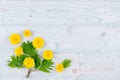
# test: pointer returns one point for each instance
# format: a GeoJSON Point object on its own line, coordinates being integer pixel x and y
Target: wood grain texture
{"type": "Point", "coordinates": [86, 31]}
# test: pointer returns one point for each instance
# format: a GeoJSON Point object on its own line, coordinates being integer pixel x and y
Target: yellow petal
{"type": "Point", "coordinates": [18, 51]}
{"type": "Point", "coordinates": [59, 68]}
{"type": "Point", "coordinates": [15, 39]}
{"type": "Point", "coordinates": [38, 42]}
{"type": "Point", "coordinates": [27, 33]}
{"type": "Point", "coordinates": [29, 62]}
{"type": "Point", "coordinates": [48, 54]}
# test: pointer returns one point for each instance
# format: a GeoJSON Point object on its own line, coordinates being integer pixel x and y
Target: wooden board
{"type": "Point", "coordinates": [86, 31]}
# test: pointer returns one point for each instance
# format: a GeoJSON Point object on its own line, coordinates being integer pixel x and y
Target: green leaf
{"type": "Point", "coordinates": [21, 59]}
{"type": "Point", "coordinates": [37, 60]}
{"type": "Point", "coordinates": [46, 65]}
{"type": "Point", "coordinates": [28, 49]}
{"type": "Point", "coordinates": [66, 63]}
{"type": "Point", "coordinates": [11, 64]}
{"type": "Point", "coordinates": [15, 62]}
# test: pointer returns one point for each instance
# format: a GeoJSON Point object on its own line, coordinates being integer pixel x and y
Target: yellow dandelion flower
{"type": "Point", "coordinates": [48, 54]}
{"type": "Point", "coordinates": [27, 33]}
{"type": "Point", "coordinates": [38, 42]}
{"type": "Point", "coordinates": [59, 68]}
{"type": "Point", "coordinates": [15, 39]}
{"type": "Point", "coordinates": [18, 51]}
{"type": "Point", "coordinates": [29, 62]}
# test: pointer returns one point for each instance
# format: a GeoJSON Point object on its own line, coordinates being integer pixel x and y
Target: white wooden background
{"type": "Point", "coordinates": [86, 31]}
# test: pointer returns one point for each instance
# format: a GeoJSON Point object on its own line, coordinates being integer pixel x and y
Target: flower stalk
{"type": "Point", "coordinates": [29, 72]}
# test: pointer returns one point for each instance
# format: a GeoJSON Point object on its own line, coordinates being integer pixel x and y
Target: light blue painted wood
{"type": "Point", "coordinates": [86, 31]}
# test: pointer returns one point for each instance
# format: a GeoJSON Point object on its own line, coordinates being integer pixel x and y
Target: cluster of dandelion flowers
{"type": "Point", "coordinates": [26, 55]}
